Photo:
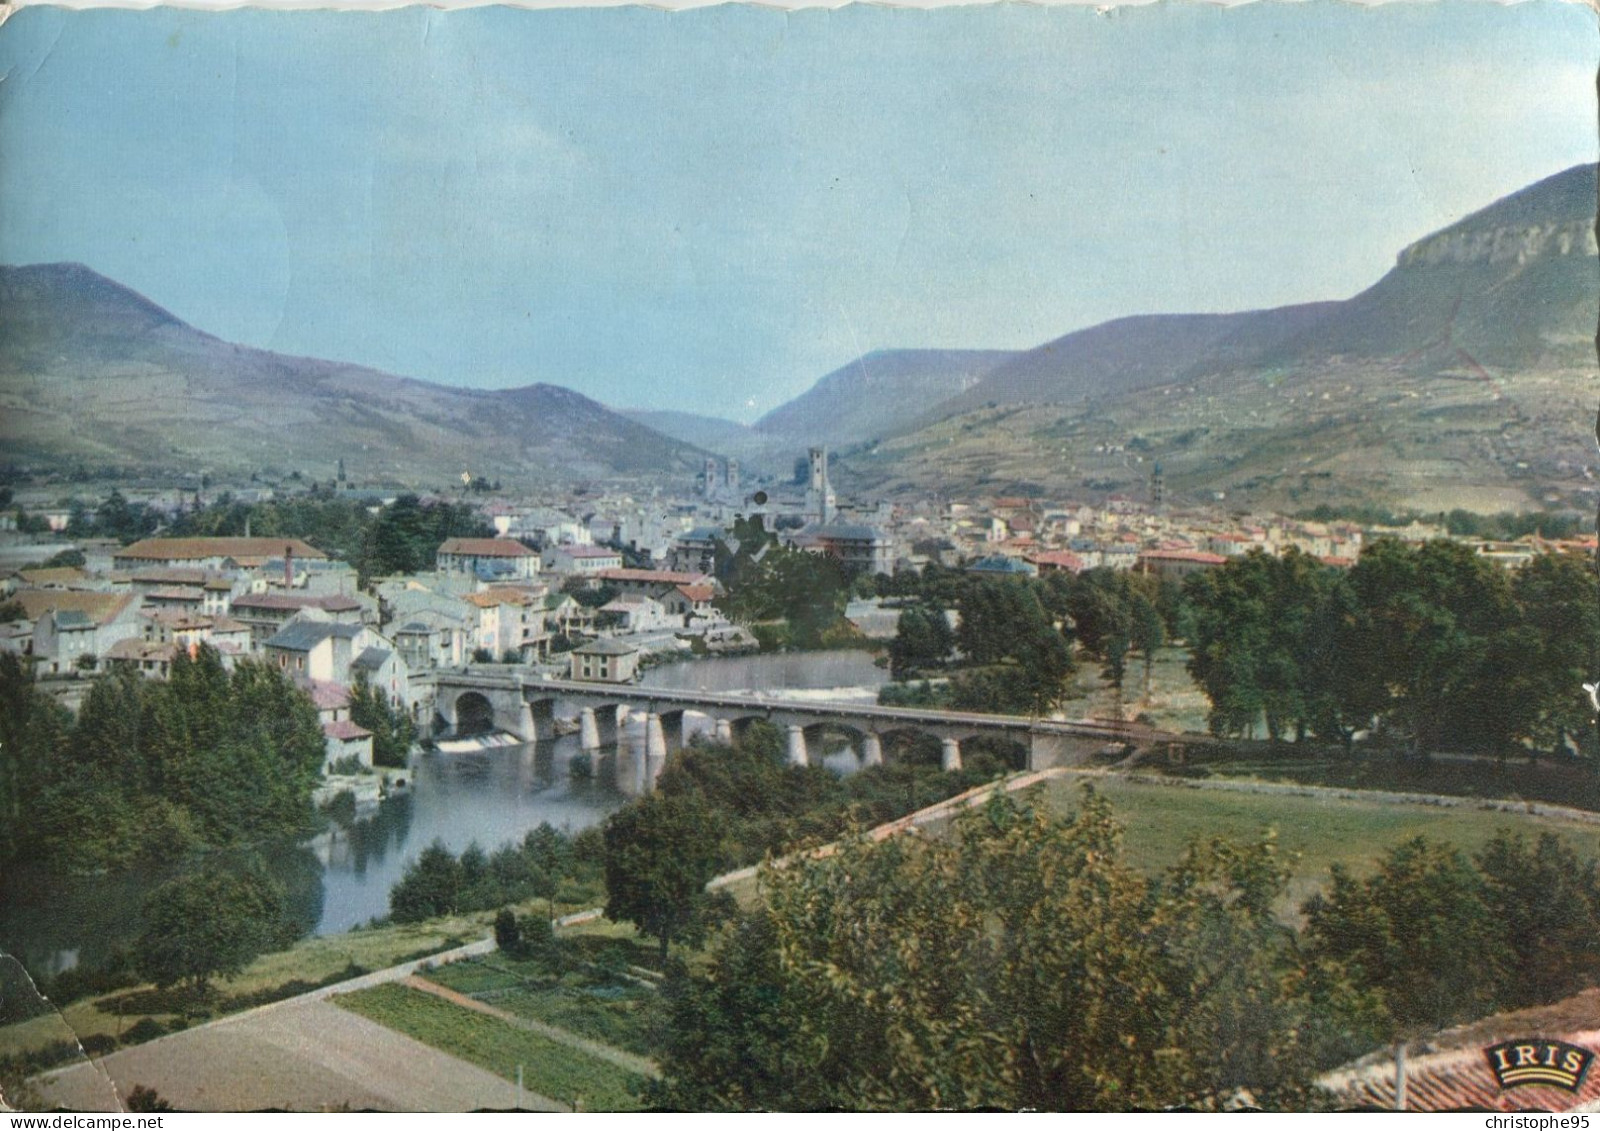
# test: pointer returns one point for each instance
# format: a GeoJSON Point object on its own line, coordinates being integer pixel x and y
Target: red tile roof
{"type": "Point", "coordinates": [1458, 1074]}
{"type": "Point", "coordinates": [196, 549]}
{"type": "Point", "coordinates": [345, 730]}
{"type": "Point", "coordinates": [653, 576]}
{"type": "Point", "coordinates": [486, 548]}
{"type": "Point", "coordinates": [328, 602]}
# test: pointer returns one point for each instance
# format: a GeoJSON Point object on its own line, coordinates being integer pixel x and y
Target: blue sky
{"type": "Point", "coordinates": [708, 210]}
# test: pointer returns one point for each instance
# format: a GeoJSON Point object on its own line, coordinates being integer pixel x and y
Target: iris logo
{"type": "Point", "coordinates": [1536, 1061]}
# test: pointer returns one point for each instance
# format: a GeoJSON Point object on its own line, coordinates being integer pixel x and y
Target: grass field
{"type": "Point", "coordinates": [556, 1071]}
{"type": "Point", "coordinates": [1161, 819]}
{"type": "Point", "coordinates": [142, 1012]}
{"type": "Point", "coordinates": [614, 1010]}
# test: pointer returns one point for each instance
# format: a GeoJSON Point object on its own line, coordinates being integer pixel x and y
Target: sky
{"type": "Point", "coordinates": [708, 210]}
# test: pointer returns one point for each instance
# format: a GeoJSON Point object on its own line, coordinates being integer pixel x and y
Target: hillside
{"type": "Point", "coordinates": [93, 372]}
{"type": "Point", "coordinates": [878, 394]}
{"type": "Point", "coordinates": [1464, 377]}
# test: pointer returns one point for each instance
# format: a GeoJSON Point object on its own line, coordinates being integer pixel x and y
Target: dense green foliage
{"type": "Point", "coordinates": [150, 769]}
{"type": "Point", "coordinates": [1432, 644]}
{"type": "Point", "coordinates": [766, 582]}
{"type": "Point", "coordinates": [393, 732]}
{"type": "Point", "coordinates": [1019, 963]}
{"type": "Point", "coordinates": [718, 807]}
{"type": "Point", "coordinates": [114, 518]}
{"type": "Point", "coordinates": [1024, 962]}
{"type": "Point", "coordinates": [658, 861]}
{"type": "Point", "coordinates": [1014, 649]}
{"type": "Point", "coordinates": [440, 883]}
{"type": "Point", "coordinates": [210, 924]}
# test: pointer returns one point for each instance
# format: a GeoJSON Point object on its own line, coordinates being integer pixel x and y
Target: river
{"type": "Point", "coordinates": [342, 878]}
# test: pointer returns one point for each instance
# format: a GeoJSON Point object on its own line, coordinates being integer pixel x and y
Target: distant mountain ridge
{"type": "Point", "coordinates": [93, 372]}
{"type": "Point", "coordinates": [1463, 377]}
{"type": "Point", "coordinates": [878, 394]}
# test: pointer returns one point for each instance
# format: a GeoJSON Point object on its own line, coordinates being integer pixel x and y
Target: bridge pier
{"type": "Point", "coordinates": [541, 715]}
{"type": "Point", "coordinates": [672, 729]}
{"type": "Point", "coordinates": [655, 749]}
{"type": "Point", "coordinates": [871, 750]}
{"type": "Point", "coordinates": [588, 730]}
{"type": "Point", "coordinates": [608, 723]}
{"type": "Point", "coordinates": [797, 747]}
{"type": "Point", "coordinates": [950, 755]}
{"type": "Point", "coordinates": [725, 732]}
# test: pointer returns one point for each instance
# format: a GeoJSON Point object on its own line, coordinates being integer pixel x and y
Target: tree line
{"type": "Point", "coordinates": [1017, 640]}
{"type": "Point", "coordinates": [150, 769]}
{"type": "Point", "coordinates": [1431, 644]}
{"type": "Point", "coordinates": [1023, 962]}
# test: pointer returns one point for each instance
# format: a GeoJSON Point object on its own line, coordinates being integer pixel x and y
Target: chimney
{"type": "Point", "coordinates": [288, 567]}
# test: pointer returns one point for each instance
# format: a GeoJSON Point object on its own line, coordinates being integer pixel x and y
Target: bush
{"type": "Point", "coordinates": [507, 932]}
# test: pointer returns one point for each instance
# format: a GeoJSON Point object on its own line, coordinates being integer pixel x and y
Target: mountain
{"type": "Point", "coordinates": [1463, 377]}
{"type": "Point", "coordinates": [93, 372]}
{"type": "Point", "coordinates": [878, 394]}
{"type": "Point", "coordinates": [712, 433]}
{"type": "Point", "coordinates": [1129, 354]}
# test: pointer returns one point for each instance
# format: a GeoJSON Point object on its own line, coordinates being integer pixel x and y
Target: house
{"type": "Point", "coordinates": [1056, 561]}
{"type": "Point", "coordinates": [54, 577]}
{"type": "Point", "coordinates": [385, 669]}
{"type": "Point", "coordinates": [997, 566]}
{"type": "Point", "coordinates": [584, 561]}
{"type": "Point", "coordinates": [309, 650]}
{"type": "Point", "coordinates": [856, 546]}
{"type": "Point", "coordinates": [696, 550]}
{"type": "Point", "coordinates": [214, 591]}
{"type": "Point", "coordinates": [1175, 565]}
{"type": "Point", "coordinates": [487, 558]}
{"type": "Point", "coordinates": [211, 553]}
{"type": "Point", "coordinates": [346, 740]}
{"type": "Point", "coordinates": [150, 658]}
{"type": "Point", "coordinates": [605, 661]}
{"type": "Point", "coordinates": [634, 612]}
{"type": "Point", "coordinates": [565, 615]}
{"type": "Point", "coordinates": [505, 620]}
{"type": "Point", "coordinates": [189, 630]}
{"type": "Point", "coordinates": [691, 602]}
{"type": "Point", "coordinates": [69, 625]}
{"type": "Point", "coordinates": [655, 583]}
{"type": "Point", "coordinates": [266, 613]}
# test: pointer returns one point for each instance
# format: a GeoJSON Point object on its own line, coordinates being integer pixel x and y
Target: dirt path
{"type": "Point", "coordinates": [562, 1036]}
{"type": "Point", "coordinates": [305, 1055]}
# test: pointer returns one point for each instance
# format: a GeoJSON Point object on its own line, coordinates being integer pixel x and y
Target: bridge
{"type": "Point", "coordinates": [524, 705]}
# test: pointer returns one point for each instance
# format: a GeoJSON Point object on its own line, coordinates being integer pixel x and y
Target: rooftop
{"type": "Point", "coordinates": [198, 549]}
{"type": "Point", "coordinates": [304, 635]}
{"type": "Point", "coordinates": [606, 647]}
{"type": "Point", "coordinates": [485, 548]}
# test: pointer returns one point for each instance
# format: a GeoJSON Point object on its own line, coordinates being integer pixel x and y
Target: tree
{"type": "Point", "coordinates": [659, 853]}
{"type": "Point", "coordinates": [1547, 903]}
{"type": "Point", "coordinates": [431, 886]}
{"type": "Point", "coordinates": [549, 858]}
{"type": "Point", "coordinates": [392, 729]}
{"type": "Point", "coordinates": [1558, 599]}
{"type": "Point", "coordinates": [209, 924]}
{"type": "Point", "coordinates": [507, 935]}
{"type": "Point", "coordinates": [1019, 963]}
{"type": "Point", "coordinates": [1421, 932]}
{"type": "Point", "coordinates": [922, 641]}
